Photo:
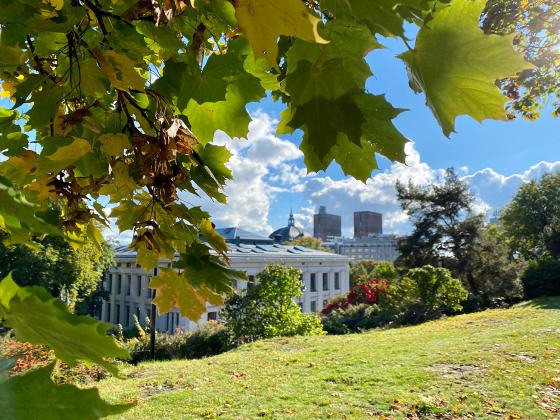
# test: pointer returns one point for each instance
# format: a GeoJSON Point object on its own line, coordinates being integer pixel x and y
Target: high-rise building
{"type": "Point", "coordinates": [326, 225]}
{"type": "Point", "coordinates": [367, 223]}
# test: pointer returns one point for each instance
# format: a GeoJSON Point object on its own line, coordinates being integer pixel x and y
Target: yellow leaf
{"type": "Point", "coordinates": [41, 186]}
{"type": "Point", "coordinates": [20, 169]}
{"type": "Point", "coordinates": [123, 184]}
{"type": "Point", "coordinates": [114, 144]}
{"type": "Point", "coordinates": [57, 4]}
{"type": "Point", "coordinates": [8, 89]}
{"type": "Point", "coordinates": [263, 21]}
{"type": "Point", "coordinates": [119, 69]}
{"type": "Point", "coordinates": [71, 152]}
{"type": "Point", "coordinates": [174, 291]}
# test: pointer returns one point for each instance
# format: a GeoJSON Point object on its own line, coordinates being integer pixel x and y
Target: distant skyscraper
{"type": "Point", "coordinates": [325, 225]}
{"type": "Point", "coordinates": [366, 223]}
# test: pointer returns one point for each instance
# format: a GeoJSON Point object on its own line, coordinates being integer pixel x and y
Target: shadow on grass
{"type": "Point", "coordinates": [548, 302]}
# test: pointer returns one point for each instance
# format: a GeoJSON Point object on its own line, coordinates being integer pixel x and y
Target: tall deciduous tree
{"type": "Point", "coordinates": [119, 100]}
{"type": "Point", "coordinates": [532, 219]}
{"type": "Point", "coordinates": [445, 228]}
{"type": "Point", "coordinates": [71, 275]}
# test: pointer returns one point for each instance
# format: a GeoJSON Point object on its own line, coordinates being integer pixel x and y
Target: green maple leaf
{"type": "Point", "coordinates": [230, 115]}
{"type": "Point", "coordinates": [215, 240]}
{"type": "Point", "coordinates": [174, 291]}
{"type": "Point", "coordinates": [11, 56]}
{"type": "Point", "coordinates": [38, 318]}
{"type": "Point", "coordinates": [19, 216]}
{"type": "Point", "coordinates": [263, 21]}
{"type": "Point", "coordinates": [207, 271]}
{"type": "Point", "coordinates": [34, 395]}
{"type": "Point", "coordinates": [322, 121]}
{"type": "Point", "coordinates": [456, 65]}
{"type": "Point", "coordinates": [368, 119]}
{"type": "Point", "coordinates": [330, 70]}
{"type": "Point", "coordinates": [378, 129]}
{"type": "Point", "coordinates": [379, 15]}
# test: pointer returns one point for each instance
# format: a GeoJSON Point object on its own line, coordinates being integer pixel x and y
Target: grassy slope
{"type": "Point", "coordinates": [493, 363]}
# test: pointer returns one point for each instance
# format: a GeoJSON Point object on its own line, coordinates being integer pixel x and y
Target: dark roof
{"type": "Point", "coordinates": [281, 252]}
{"type": "Point", "coordinates": [287, 233]}
{"type": "Point", "coordinates": [242, 236]}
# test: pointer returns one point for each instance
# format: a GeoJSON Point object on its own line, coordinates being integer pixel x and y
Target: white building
{"type": "Point", "coordinates": [373, 247]}
{"type": "Point", "coordinates": [325, 276]}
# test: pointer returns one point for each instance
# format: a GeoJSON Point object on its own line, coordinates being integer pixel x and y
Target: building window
{"type": "Point", "coordinates": [138, 285]}
{"type": "Point", "coordinates": [118, 315]}
{"type": "Point", "coordinates": [167, 321]}
{"type": "Point", "coordinates": [337, 281]}
{"type": "Point", "coordinates": [110, 283]}
{"type": "Point", "coordinates": [128, 265]}
{"type": "Point", "coordinates": [149, 312]}
{"type": "Point", "coordinates": [212, 316]}
{"type": "Point", "coordinates": [128, 281]}
{"type": "Point", "coordinates": [138, 313]}
{"type": "Point", "coordinates": [127, 316]}
{"type": "Point", "coordinates": [325, 302]}
{"type": "Point", "coordinates": [313, 282]}
{"type": "Point", "coordinates": [251, 281]}
{"type": "Point", "coordinates": [313, 306]}
{"type": "Point", "coordinates": [108, 314]}
{"type": "Point", "coordinates": [168, 265]}
{"type": "Point", "coordinates": [234, 283]}
{"type": "Point", "coordinates": [325, 281]}
{"type": "Point", "coordinates": [300, 305]}
{"type": "Point", "coordinates": [155, 271]}
{"type": "Point", "coordinates": [119, 284]}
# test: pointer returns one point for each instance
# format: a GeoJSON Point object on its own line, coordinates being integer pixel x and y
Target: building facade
{"type": "Point", "coordinates": [326, 226]}
{"type": "Point", "coordinates": [374, 247]}
{"type": "Point", "coordinates": [324, 275]}
{"type": "Point", "coordinates": [367, 223]}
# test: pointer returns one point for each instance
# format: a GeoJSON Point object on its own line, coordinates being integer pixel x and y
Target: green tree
{"type": "Point", "coordinates": [71, 275]}
{"type": "Point", "coordinates": [531, 221]}
{"type": "Point", "coordinates": [120, 100]}
{"type": "Point", "coordinates": [444, 227]}
{"type": "Point", "coordinates": [534, 25]}
{"type": "Point", "coordinates": [494, 271]}
{"type": "Point", "coordinates": [268, 309]}
{"type": "Point", "coordinates": [309, 242]}
{"type": "Point", "coordinates": [433, 288]}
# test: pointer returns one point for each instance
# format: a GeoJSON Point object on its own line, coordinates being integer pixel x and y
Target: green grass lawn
{"type": "Point", "coordinates": [496, 364]}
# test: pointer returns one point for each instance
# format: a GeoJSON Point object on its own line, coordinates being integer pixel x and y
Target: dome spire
{"type": "Point", "coordinates": [291, 221]}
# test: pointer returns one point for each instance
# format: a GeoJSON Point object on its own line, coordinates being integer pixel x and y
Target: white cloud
{"type": "Point", "coordinates": [257, 163]}
{"type": "Point", "coordinates": [265, 166]}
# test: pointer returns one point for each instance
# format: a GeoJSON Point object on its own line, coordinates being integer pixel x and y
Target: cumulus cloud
{"type": "Point", "coordinates": [266, 169]}
{"type": "Point", "coordinates": [262, 166]}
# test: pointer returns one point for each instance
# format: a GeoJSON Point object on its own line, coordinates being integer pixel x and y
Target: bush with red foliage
{"type": "Point", "coordinates": [365, 291]}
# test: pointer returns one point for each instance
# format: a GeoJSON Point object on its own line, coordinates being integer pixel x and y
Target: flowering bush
{"type": "Point", "coordinates": [365, 291]}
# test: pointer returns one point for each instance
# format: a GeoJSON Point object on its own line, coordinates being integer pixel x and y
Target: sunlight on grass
{"type": "Point", "coordinates": [493, 363]}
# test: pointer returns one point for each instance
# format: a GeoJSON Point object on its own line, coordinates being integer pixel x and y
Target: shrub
{"type": "Point", "coordinates": [542, 278]}
{"type": "Point", "coordinates": [432, 288]}
{"type": "Point", "coordinates": [355, 318]}
{"type": "Point", "coordinates": [366, 290]}
{"type": "Point", "coordinates": [268, 309]}
{"type": "Point", "coordinates": [209, 340]}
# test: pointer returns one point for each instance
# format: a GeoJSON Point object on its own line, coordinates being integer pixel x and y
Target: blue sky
{"type": "Point", "coordinates": [495, 156]}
